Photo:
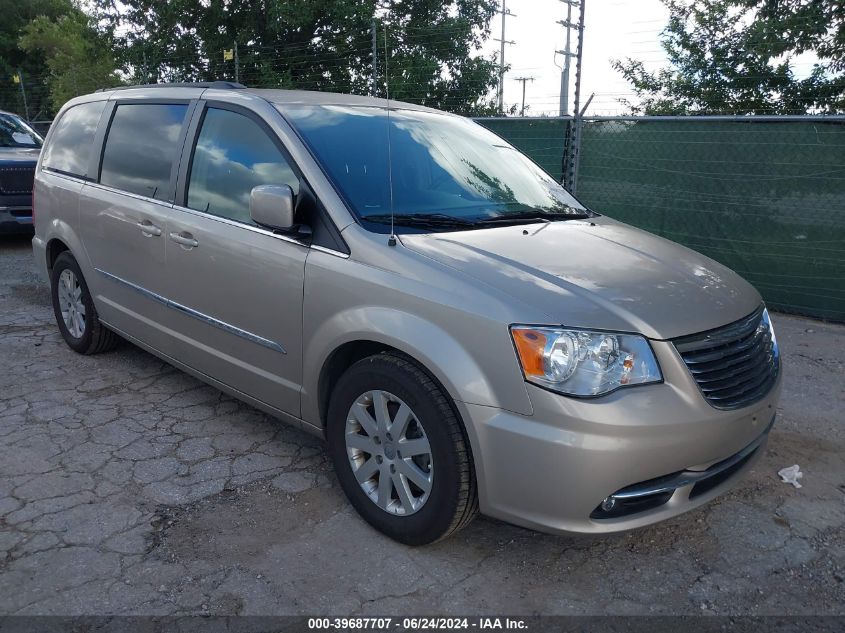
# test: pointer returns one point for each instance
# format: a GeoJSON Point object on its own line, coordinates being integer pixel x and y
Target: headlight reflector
{"type": "Point", "coordinates": [584, 363]}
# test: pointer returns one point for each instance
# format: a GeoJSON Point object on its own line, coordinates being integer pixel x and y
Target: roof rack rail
{"type": "Point", "coordinates": [220, 85]}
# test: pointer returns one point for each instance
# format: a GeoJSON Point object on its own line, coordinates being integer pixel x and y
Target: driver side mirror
{"type": "Point", "coordinates": [272, 206]}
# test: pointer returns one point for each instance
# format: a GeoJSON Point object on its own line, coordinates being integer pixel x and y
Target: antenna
{"type": "Point", "coordinates": [391, 241]}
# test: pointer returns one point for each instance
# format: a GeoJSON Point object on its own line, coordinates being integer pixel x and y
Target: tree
{"type": "Point", "coordinates": [16, 14]}
{"type": "Point", "coordinates": [738, 57]}
{"type": "Point", "coordinates": [433, 47]}
{"type": "Point", "coordinates": [77, 55]}
{"type": "Point", "coordinates": [432, 54]}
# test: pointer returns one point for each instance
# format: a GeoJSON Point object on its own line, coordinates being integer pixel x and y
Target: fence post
{"type": "Point", "coordinates": [576, 152]}
{"type": "Point", "coordinates": [564, 160]}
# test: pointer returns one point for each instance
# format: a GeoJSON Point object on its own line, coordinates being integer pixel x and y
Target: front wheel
{"type": "Point", "coordinates": [400, 452]}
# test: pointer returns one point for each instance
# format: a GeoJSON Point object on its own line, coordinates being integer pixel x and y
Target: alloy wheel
{"type": "Point", "coordinates": [389, 452]}
{"type": "Point", "coordinates": [71, 304]}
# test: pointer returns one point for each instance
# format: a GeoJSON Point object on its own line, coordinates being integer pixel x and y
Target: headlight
{"type": "Point", "coordinates": [583, 363]}
{"type": "Point", "coordinates": [766, 324]}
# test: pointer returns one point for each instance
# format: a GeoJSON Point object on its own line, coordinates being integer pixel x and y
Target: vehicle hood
{"type": "Point", "coordinates": [599, 274]}
{"type": "Point", "coordinates": [19, 155]}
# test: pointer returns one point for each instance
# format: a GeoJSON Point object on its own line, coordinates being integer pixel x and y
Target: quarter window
{"type": "Point", "coordinates": [233, 155]}
{"type": "Point", "coordinates": [69, 149]}
{"type": "Point", "coordinates": [142, 144]}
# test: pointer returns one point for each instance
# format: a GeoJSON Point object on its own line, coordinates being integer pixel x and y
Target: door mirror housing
{"type": "Point", "coordinates": [272, 206]}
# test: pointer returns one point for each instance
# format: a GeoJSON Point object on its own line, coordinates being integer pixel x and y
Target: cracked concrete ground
{"type": "Point", "coordinates": [128, 487]}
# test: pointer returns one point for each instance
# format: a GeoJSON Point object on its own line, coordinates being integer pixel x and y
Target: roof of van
{"type": "Point", "coordinates": [276, 96]}
{"type": "Point", "coordinates": [308, 97]}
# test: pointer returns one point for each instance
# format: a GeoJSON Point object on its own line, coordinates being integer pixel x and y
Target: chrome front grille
{"type": "Point", "coordinates": [16, 180]}
{"type": "Point", "coordinates": [735, 365]}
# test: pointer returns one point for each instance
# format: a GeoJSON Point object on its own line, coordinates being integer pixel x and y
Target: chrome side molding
{"type": "Point", "coordinates": [200, 316]}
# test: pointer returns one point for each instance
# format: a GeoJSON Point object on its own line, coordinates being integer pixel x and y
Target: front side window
{"type": "Point", "coordinates": [233, 155]}
{"type": "Point", "coordinates": [142, 144]}
{"type": "Point", "coordinates": [424, 165]}
{"type": "Point", "coordinates": [69, 150]}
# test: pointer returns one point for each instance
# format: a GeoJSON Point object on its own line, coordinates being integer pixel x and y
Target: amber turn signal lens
{"type": "Point", "coordinates": [530, 345]}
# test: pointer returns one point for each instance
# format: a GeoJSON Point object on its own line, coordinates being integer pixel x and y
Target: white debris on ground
{"type": "Point", "coordinates": [791, 475]}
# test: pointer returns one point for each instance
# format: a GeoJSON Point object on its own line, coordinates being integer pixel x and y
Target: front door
{"type": "Point", "coordinates": [236, 288]}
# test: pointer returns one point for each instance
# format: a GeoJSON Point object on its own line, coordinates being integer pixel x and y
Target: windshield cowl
{"type": "Point", "coordinates": [444, 222]}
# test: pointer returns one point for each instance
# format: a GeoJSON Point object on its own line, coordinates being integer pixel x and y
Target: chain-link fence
{"type": "Point", "coordinates": [762, 195]}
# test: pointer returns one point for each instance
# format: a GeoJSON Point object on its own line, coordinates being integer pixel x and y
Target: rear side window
{"type": "Point", "coordinates": [234, 154]}
{"type": "Point", "coordinates": [141, 146]}
{"type": "Point", "coordinates": [69, 149]}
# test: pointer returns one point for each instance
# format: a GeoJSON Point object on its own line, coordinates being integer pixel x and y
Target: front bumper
{"type": "Point", "coordinates": [15, 219]}
{"type": "Point", "coordinates": [39, 252]}
{"type": "Point", "coordinates": [551, 471]}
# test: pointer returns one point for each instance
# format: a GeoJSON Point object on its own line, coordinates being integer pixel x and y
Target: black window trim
{"type": "Point", "coordinates": [103, 134]}
{"type": "Point", "coordinates": [186, 160]}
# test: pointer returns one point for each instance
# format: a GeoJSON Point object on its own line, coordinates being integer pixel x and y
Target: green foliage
{"type": "Point", "coordinates": [432, 54]}
{"type": "Point", "coordinates": [14, 16]}
{"type": "Point", "coordinates": [77, 56]}
{"type": "Point", "coordinates": [313, 45]}
{"type": "Point", "coordinates": [738, 57]}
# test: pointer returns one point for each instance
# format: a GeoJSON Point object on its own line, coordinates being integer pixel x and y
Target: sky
{"type": "Point", "coordinates": [614, 29]}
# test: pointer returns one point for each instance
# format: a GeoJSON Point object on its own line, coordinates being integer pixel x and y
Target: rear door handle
{"type": "Point", "coordinates": [148, 228]}
{"type": "Point", "coordinates": [185, 239]}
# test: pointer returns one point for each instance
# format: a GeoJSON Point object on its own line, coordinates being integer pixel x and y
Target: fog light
{"type": "Point", "coordinates": [608, 504]}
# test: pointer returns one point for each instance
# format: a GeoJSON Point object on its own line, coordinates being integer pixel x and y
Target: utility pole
{"type": "Point", "coordinates": [567, 56]}
{"type": "Point", "coordinates": [375, 59]}
{"type": "Point", "coordinates": [19, 80]}
{"type": "Point", "coordinates": [574, 149]}
{"type": "Point", "coordinates": [237, 70]}
{"type": "Point", "coordinates": [505, 13]}
{"type": "Point", "coordinates": [524, 80]}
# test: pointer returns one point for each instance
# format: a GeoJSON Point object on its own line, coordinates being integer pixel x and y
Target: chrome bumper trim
{"type": "Point", "coordinates": [689, 477]}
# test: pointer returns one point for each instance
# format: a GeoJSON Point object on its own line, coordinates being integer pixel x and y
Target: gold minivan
{"type": "Point", "coordinates": [464, 333]}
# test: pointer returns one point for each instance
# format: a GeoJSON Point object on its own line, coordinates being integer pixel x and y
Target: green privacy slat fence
{"type": "Point", "coordinates": [764, 197]}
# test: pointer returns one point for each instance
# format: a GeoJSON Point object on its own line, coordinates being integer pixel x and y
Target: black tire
{"type": "Point", "coordinates": [95, 337]}
{"type": "Point", "coordinates": [453, 499]}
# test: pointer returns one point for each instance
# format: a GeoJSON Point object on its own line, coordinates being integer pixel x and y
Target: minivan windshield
{"type": "Point", "coordinates": [15, 133]}
{"type": "Point", "coordinates": [446, 171]}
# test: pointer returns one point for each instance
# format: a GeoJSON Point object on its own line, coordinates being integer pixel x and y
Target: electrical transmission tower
{"type": "Point", "coordinates": [505, 13]}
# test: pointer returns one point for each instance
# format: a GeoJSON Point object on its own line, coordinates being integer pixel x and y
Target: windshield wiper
{"type": "Point", "coordinates": [438, 220]}
{"type": "Point", "coordinates": [534, 216]}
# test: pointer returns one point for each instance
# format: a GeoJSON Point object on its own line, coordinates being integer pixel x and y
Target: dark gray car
{"type": "Point", "coordinates": [19, 149]}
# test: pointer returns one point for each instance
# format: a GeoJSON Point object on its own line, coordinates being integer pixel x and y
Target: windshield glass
{"type": "Point", "coordinates": [445, 169]}
{"type": "Point", "coordinates": [15, 133]}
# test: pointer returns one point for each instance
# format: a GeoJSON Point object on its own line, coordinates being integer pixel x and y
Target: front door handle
{"type": "Point", "coordinates": [148, 228]}
{"type": "Point", "coordinates": [185, 239]}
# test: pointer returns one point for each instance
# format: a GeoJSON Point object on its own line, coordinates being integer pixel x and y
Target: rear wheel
{"type": "Point", "coordinates": [400, 452]}
{"type": "Point", "coordinates": [74, 309]}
